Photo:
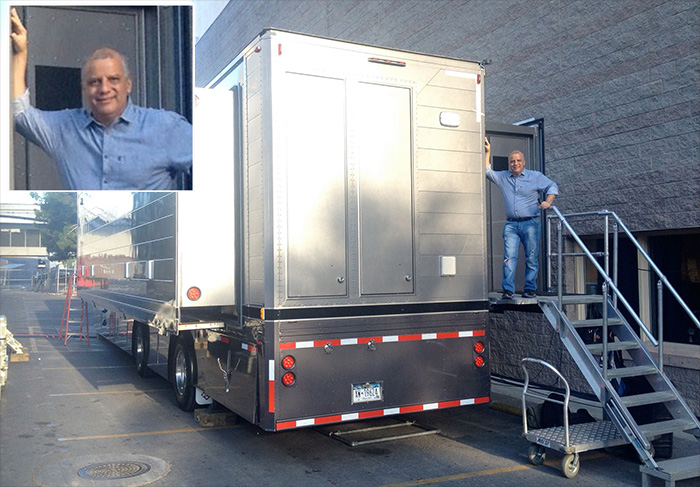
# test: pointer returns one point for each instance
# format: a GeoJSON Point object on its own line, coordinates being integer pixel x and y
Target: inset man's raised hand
{"type": "Point", "coordinates": [20, 47]}
{"type": "Point", "coordinates": [18, 34]}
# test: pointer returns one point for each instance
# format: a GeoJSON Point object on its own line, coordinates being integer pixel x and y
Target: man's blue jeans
{"type": "Point", "coordinates": [528, 233]}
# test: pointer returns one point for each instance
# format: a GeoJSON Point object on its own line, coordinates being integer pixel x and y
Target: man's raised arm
{"type": "Point", "coordinates": [19, 55]}
{"type": "Point", "coordinates": [487, 149]}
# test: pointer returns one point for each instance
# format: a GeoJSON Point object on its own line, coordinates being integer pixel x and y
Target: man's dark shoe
{"type": "Point", "coordinates": [529, 294]}
{"type": "Point", "coordinates": [508, 295]}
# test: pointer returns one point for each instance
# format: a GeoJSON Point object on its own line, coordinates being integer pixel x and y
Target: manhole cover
{"type": "Point", "coordinates": [105, 470]}
{"type": "Point", "coordinates": [114, 470]}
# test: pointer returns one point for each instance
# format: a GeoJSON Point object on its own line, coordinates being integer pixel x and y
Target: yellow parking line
{"type": "Point", "coordinates": [135, 391]}
{"type": "Point", "coordinates": [146, 433]}
{"type": "Point", "coordinates": [481, 473]}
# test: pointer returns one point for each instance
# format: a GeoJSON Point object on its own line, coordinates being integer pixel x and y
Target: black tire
{"type": "Point", "coordinates": [140, 348]}
{"type": "Point", "coordinates": [536, 454]}
{"type": "Point", "coordinates": [183, 362]}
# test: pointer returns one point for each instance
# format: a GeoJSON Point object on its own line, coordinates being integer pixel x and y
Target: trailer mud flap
{"type": "Point", "coordinates": [201, 397]}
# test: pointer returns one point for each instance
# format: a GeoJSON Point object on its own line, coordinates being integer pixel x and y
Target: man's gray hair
{"type": "Point", "coordinates": [106, 53]}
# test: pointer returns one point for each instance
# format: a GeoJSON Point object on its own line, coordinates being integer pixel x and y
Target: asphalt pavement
{"type": "Point", "coordinates": [80, 415]}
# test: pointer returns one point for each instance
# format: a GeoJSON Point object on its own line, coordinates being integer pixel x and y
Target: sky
{"type": "Point", "coordinates": [205, 12]}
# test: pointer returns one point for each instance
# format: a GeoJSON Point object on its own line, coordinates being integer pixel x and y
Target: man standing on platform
{"type": "Point", "coordinates": [521, 190]}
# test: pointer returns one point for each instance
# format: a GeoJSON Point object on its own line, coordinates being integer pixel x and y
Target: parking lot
{"type": "Point", "coordinates": [75, 412]}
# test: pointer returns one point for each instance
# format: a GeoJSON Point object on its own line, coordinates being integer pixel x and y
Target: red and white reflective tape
{"type": "Point", "coordinates": [337, 418]}
{"type": "Point", "coordinates": [382, 339]}
{"type": "Point", "coordinates": [271, 386]}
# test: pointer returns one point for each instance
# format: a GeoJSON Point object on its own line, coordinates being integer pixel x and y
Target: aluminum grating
{"type": "Point", "coordinates": [599, 431]}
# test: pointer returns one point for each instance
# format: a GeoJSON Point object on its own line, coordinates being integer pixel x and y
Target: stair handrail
{"type": "Point", "coordinates": [602, 272]}
{"type": "Point", "coordinates": [641, 250]}
{"type": "Point", "coordinates": [660, 274]}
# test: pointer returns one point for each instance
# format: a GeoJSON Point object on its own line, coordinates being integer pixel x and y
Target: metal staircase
{"type": "Point", "coordinates": [566, 313]}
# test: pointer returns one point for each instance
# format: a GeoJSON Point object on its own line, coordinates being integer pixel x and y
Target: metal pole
{"type": "Point", "coordinates": [660, 290]}
{"type": "Point", "coordinates": [605, 331]}
{"type": "Point", "coordinates": [549, 254]}
{"type": "Point", "coordinates": [560, 287]}
{"type": "Point", "coordinates": [615, 263]}
{"type": "Point", "coordinates": [606, 246]}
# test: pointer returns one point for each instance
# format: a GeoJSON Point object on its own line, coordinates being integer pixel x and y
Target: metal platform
{"type": "Point", "coordinates": [366, 433]}
{"type": "Point", "coordinates": [518, 300]}
{"type": "Point", "coordinates": [582, 437]}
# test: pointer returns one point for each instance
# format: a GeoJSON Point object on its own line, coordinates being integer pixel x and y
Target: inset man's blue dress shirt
{"type": "Point", "coordinates": [141, 150]}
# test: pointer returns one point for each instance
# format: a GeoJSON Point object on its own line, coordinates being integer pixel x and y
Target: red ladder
{"type": "Point", "coordinates": [65, 320]}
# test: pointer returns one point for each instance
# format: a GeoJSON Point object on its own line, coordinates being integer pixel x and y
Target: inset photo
{"type": "Point", "coordinates": [101, 97]}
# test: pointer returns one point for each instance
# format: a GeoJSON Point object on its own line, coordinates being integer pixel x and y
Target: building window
{"type": "Point", "coordinates": [17, 238]}
{"type": "Point", "coordinates": [5, 238]}
{"type": "Point", "coordinates": [678, 257]}
{"type": "Point", "coordinates": [33, 238]}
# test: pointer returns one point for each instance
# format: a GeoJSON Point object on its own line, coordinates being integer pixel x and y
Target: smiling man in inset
{"type": "Point", "coordinates": [112, 144]}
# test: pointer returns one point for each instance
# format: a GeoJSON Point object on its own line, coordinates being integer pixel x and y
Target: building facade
{"type": "Point", "coordinates": [22, 255]}
{"type": "Point", "coordinates": [617, 85]}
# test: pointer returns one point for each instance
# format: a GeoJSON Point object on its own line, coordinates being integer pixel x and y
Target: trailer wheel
{"type": "Point", "coordinates": [570, 465]}
{"type": "Point", "coordinates": [140, 348]}
{"type": "Point", "coordinates": [183, 374]}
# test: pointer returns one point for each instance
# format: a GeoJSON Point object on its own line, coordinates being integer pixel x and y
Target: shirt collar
{"type": "Point", "coordinates": [127, 115]}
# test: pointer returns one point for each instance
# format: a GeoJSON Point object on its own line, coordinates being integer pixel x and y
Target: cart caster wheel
{"type": "Point", "coordinates": [536, 454]}
{"type": "Point", "coordinates": [570, 465]}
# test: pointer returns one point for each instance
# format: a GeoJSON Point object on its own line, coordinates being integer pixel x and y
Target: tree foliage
{"type": "Point", "coordinates": [59, 216]}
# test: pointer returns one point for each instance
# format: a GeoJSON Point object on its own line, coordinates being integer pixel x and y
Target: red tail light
{"type": "Point", "coordinates": [288, 362]}
{"type": "Point", "coordinates": [289, 379]}
{"type": "Point", "coordinates": [479, 347]}
{"type": "Point", "coordinates": [479, 361]}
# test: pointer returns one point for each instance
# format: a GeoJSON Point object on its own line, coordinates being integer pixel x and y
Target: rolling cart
{"type": "Point", "coordinates": [570, 440]}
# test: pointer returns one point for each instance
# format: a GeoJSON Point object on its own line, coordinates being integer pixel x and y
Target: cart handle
{"type": "Point", "coordinates": [564, 403]}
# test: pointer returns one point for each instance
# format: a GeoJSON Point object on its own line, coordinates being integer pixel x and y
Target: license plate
{"type": "Point", "coordinates": [367, 392]}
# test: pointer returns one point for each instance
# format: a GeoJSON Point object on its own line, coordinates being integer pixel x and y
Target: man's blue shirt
{"type": "Point", "coordinates": [139, 151]}
{"type": "Point", "coordinates": [520, 194]}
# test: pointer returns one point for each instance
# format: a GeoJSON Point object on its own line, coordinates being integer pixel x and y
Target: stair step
{"type": "Point", "coordinates": [613, 346]}
{"type": "Point", "coordinates": [663, 427]}
{"type": "Point", "coordinates": [575, 298]}
{"type": "Point", "coordinates": [649, 398]}
{"type": "Point", "coordinates": [672, 470]}
{"type": "Point", "coordinates": [632, 371]}
{"type": "Point", "coordinates": [595, 322]}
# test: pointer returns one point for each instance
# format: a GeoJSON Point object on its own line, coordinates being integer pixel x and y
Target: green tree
{"type": "Point", "coordinates": [59, 216]}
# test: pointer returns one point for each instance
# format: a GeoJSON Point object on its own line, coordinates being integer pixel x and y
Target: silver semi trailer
{"type": "Point", "coordinates": [330, 263]}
